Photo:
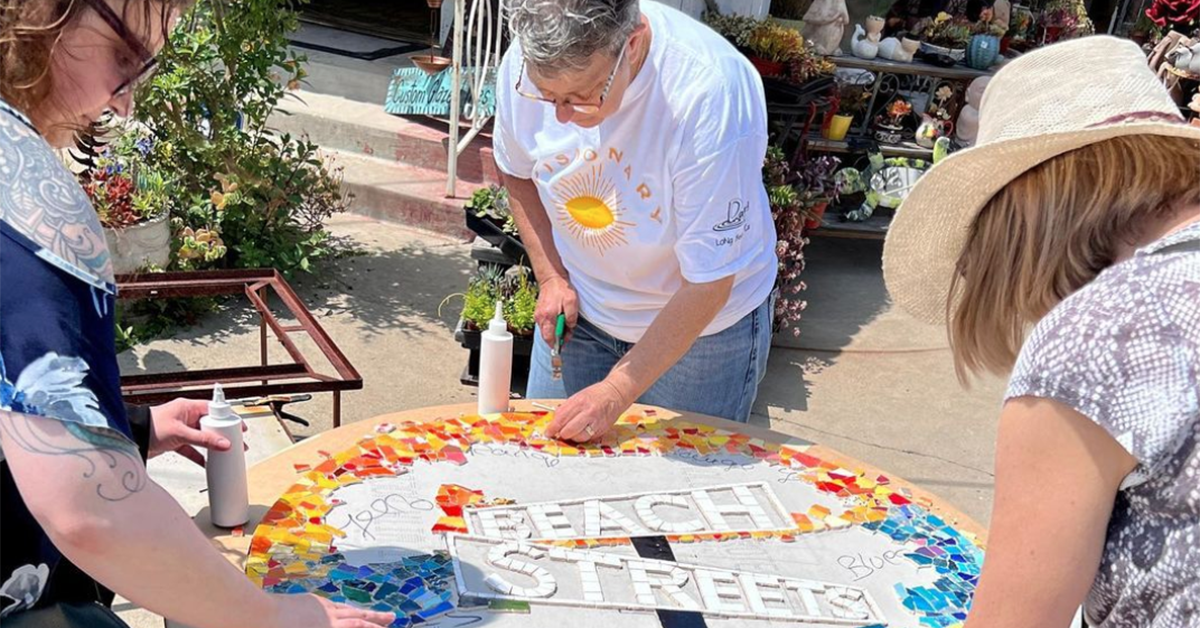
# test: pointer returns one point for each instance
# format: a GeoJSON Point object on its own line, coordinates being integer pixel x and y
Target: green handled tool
{"type": "Point", "coordinates": [560, 332]}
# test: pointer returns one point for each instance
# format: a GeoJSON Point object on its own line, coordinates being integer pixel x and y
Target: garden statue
{"type": "Point", "coordinates": [824, 25]}
{"type": "Point", "coordinates": [864, 45]}
{"type": "Point", "coordinates": [1002, 14]}
{"type": "Point", "coordinates": [901, 50]}
{"type": "Point", "coordinates": [968, 119]}
{"type": "Point", "coordinates": [1187, 58]}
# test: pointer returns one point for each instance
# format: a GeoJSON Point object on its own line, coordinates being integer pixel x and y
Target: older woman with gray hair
{"type": "Point", "coordinates": [631, 138]}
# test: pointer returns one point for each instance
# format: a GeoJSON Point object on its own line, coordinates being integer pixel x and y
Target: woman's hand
{"type": "Point", "coordinates": [311, 611]}
{"type": "Point", "coordinates": [555, 296]}
{"type": "Point", "coordinates": [589, 414]}
{"type": "Point", "coordinates": [176, 427]}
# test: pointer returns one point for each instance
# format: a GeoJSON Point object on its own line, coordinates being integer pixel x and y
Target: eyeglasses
{"type": "Point", "coordinates": [149, 61]}
{"type": "Point", "coordinates": [586, 108]}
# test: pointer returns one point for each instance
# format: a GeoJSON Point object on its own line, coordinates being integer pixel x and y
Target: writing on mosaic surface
{"type": "Point", "coordinates": [560, 576]}
{"type": "Point", "coordinates": [735, 507]}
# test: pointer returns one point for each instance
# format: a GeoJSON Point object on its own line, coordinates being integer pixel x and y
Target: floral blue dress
{"type": "Point", "coordinates": [57, 352]}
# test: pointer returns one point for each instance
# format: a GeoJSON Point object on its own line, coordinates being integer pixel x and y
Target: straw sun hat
{"type": "Point", "coordinates": [1041, 105]}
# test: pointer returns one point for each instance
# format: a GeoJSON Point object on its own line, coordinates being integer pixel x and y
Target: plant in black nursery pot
{"type": "Point", "coordinates": [489, 215]}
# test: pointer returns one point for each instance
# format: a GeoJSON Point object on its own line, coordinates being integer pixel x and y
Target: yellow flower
{"type": "Point", "coordinates": [942, 17]}
{"type": "Point", "coordinates": [218, 200]}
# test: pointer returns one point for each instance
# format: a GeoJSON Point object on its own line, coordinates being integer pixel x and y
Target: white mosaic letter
{"type": "Point", "coordinates": [759, 590]}
{"type": "Point", "coordinates": [551, 521]}
{"type": "Point", "coordinates": [670, 579]}
{"type": "Point", "coordinates": [503, 524]}
{"type": "Point", "coordinates": [645, 510]}
{"type": "Point", "coordinates": [747, 505]}
{"type": "Point", "coordinates": [717, 593]}
{"type": "Point", "coordinates": [498, 556]}
{"type": "Point", "coordinates": [599, 519]}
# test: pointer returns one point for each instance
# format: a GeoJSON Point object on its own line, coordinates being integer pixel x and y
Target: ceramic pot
{"type": "Point", "coordinates": [983, 51]}
{"type": "Point", "coordinates": [839, 125]}
{"type": "Point", "coordinates": [137, 246]}
{"type": "Point", "coordinates": [888, 134]}
{"type": "Point", "coordinates": [957, 54]}
{"type": "Point", "coordinates": [874, 25]}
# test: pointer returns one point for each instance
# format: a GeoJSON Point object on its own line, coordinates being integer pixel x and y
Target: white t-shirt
{"type": "Point", "coordinates": [668, 188]}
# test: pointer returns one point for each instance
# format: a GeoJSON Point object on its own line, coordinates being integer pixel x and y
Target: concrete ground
{"type": "Point", "coordinates": [862, 377]}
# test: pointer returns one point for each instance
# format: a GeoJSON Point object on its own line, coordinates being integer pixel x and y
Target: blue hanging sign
{"type": "Point", "coordinates": [413, 92]}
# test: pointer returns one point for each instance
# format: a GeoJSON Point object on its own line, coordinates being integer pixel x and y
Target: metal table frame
{"type": "Point", "coordinates": [246, 381]}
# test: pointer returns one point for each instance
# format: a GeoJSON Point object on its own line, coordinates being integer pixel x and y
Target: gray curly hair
{"type": "Point", "coordinates": [562, 35]}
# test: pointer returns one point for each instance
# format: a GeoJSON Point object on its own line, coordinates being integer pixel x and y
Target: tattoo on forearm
{"type": "Point", "coordinates": [113, 463]}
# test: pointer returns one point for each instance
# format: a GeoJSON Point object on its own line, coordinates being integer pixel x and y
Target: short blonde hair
{"type": "Point", "coordinates": [1051, 231]}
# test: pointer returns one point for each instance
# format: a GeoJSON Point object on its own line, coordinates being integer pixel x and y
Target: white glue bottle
{"type": "Point", "coordinates": [495, 364]}
{"type": "Point", "coordinates": [228, 500]}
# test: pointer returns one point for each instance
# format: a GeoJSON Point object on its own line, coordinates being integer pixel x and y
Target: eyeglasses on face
{"type": "Point", "coordinates": [580, 108]}
{"type": "Point", "coordinates": [149, 61]}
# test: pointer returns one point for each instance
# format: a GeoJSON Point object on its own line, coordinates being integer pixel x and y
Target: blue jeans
{"type": "Point", "coordinates": [718, 376]}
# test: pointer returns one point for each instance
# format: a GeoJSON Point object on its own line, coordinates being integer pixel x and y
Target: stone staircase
{"type": "Point", "coordinates": [394, 166]}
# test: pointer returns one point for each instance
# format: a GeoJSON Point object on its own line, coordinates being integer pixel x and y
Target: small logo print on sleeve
{"type": "Point", "coordinates": [736, 216]}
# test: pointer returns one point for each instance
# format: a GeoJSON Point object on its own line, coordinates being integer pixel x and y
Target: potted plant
{"type": "Point", "coordinates": [816, 188]}
{"type": "Point", "coordinates": [489, 215]}
{"type": "Point", "coordinates": [797, 200]}
{"type": "Point", "coordinates": [984, 47]}
{"type": "Point", "coordinates": [772, 46]}
{"type": "Point", "coordinates": [518, 293]}
{"type": "Point", "coordinates": [944, 40]}
{"type": "Point", "coordinates": [1065, 19]}
{"type": "Point", "coordinates": [808, 65]}
{"type": "Point", "coordinates": [889, 126]}
{"type": "Point", "coordinates": [851, 101]}
{"type": "Point", "coordinates": [736, 29]}
{"type": "Point", "coordinates": [133, 201]}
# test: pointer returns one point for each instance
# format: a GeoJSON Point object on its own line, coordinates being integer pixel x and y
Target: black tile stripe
{"type": "Point", "coordinates": [657, 548]}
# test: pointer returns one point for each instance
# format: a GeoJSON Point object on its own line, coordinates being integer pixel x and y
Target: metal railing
{"type": "Point", "coordinates": [481, 46]}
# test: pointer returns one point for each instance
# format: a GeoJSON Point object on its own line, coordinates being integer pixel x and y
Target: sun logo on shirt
{"type": "Point", "coordinates": [590, 209]}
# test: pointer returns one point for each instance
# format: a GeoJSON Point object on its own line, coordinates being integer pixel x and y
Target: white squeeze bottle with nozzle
{"type": "Point", "coordinates": [228, 500]}
{"type": "Point", "coordinates": [495, 364]}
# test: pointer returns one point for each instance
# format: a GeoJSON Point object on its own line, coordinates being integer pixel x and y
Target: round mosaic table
{"type": "Point", "coordinates": [674, 520]}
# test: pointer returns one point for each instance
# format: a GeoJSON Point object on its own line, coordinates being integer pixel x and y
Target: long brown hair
{"type": "Point", "coordinates": [1053, 230]}
{"type": "Point", "coordinates": [31, 30]}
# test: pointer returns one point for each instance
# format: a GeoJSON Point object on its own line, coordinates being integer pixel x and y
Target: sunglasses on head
{"type": "Point", "coordinates": [149, 61]}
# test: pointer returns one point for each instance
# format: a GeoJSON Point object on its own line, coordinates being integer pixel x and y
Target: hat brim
{"type": "Point", "coordinates": [926, 237]}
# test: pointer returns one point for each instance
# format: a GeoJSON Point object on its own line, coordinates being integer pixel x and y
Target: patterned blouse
{"type": "Point", "coordinates": [57, 355]}
{"type": "Point", "coordinates": [1124, 352]}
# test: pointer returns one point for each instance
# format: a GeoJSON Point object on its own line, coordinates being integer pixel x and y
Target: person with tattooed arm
{"type": "Point", "coordinates": [81, 516]}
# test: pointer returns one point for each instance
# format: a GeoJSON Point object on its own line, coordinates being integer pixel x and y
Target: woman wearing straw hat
{"type": "Point", "coordinates": [1077, 216]}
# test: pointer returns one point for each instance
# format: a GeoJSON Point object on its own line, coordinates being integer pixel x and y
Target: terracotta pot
{"type": "Point", "coordinates": [818, 213]}
{"type": "Point", "coordinates": [765, 67]}
{"type": "Point", "coordinates": [137, 246]}
{"type": "Point", "coordinates": [434, 4]}
{"type": "Point", "coordinates": [839, 125]}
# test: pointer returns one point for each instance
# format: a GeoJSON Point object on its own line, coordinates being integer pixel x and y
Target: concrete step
{"type": "Point", "coordinates": [347, 125]}
{"type": "Point", "coordinates": [403, 194]}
